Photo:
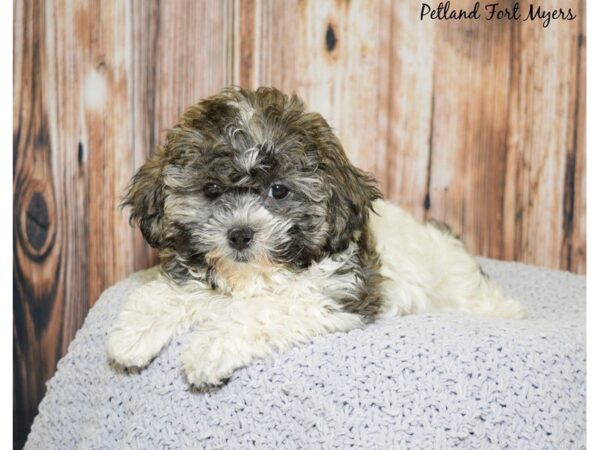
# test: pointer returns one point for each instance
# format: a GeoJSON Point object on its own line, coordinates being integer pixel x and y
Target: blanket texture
{"type": "Point", "coordinates": [433, 381]}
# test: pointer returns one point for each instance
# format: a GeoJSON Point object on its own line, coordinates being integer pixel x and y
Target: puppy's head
{"type": "Point", "coordinates": [249, 181]}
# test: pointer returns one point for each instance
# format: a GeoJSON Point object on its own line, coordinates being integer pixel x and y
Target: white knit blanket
{"type": "Point", "coordinates": [434, 381]}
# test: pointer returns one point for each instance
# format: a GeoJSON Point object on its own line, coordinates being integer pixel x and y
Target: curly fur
{"type": "Point", "coordinates": [317, 260]}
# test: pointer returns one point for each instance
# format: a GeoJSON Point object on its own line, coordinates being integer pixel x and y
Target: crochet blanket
{"type": "Point", "coordinates": [432, 381]}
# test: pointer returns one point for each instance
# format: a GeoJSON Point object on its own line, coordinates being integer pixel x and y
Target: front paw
{"type": "Point", "coordinates": [132, 348]}
{"type": "Point", "coordinates": [209, 364]}
{"type": "Point", "coordinates": [150, 317]}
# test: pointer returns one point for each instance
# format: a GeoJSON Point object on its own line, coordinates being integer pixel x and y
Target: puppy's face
{"type": "Point", "coordinates": [249, 181]}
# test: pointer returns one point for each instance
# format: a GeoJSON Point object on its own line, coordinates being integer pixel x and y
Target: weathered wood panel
{"type": "Point", "coordinates": [479, 123]}
{"type": "Point", "coordinates": [545, 140]}
{"type": "Point", "coordinates": [574, 251]}
{"type": "Point", "coordinates": [469, 126]}
{"type": "Point", "coordinates": [406, 104]}
{"type": "Point", "coordinates": [40, 252]}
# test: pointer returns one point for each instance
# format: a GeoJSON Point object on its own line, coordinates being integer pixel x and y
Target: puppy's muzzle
{"type": "Point", "coordinates": [239, 238]}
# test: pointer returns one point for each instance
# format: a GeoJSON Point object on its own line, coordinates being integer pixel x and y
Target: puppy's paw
{"type": "Point", "coordinates": [132, 348]}
{"type": "Point", "coordinates": [150, 317]}
{"type": "Point", "coordinates": [512, 309]}
{"type": "Point", "coordinates": [209, 363]}
{"type": "Point", "coordinates": [201, 379]}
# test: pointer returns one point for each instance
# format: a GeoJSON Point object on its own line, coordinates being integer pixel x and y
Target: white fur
{"type": "Point", "coordinates": [428, 270]}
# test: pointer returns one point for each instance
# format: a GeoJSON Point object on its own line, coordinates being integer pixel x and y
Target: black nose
{"type": "Point", "coordinates": [240, 238]}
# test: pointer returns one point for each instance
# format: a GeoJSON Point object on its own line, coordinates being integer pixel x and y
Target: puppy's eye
{"type": "Point", "coordinates": [278, 191]}
{"type": "Point", "coordinates": [211, 190]}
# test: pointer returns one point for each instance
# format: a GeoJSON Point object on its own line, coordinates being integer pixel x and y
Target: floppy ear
{"type": "Point", "coordinates": [352, 192]}
{"type": "Point", "coordinates": [145, 196]}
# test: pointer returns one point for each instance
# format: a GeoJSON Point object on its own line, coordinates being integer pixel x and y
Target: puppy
{"type": "Point", "coordinates": [269, 236]}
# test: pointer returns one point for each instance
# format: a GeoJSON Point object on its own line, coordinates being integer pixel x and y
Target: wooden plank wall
{"type": "Point", "coordinates": [478, 123]}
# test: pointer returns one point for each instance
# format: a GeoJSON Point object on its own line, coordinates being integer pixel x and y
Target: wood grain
{"type": "Point", "coordinates": [406, 101]}
{"type": "Point", "coordinates": [543, 144]}
{"type": "Point", "coordinates": [469, 111]}
{"type": "Point", "coordinates": [573, 245]}
{"type": "Point", "coordinates": [478, 123]}
{"type": "Point", "coordinates": [39, 261]}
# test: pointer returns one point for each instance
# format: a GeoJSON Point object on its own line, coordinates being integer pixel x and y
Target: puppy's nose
{"type": "Point", "coordinates": [240, 238]}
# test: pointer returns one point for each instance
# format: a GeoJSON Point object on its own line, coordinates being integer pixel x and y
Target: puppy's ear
{"type": "Point", "coordinates": [145, 196]}
{"type": "Point", "coordinates": [352, 192]}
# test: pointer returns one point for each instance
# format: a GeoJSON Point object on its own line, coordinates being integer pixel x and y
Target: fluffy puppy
{"type": "Point", "coordinates": [266, 239]}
